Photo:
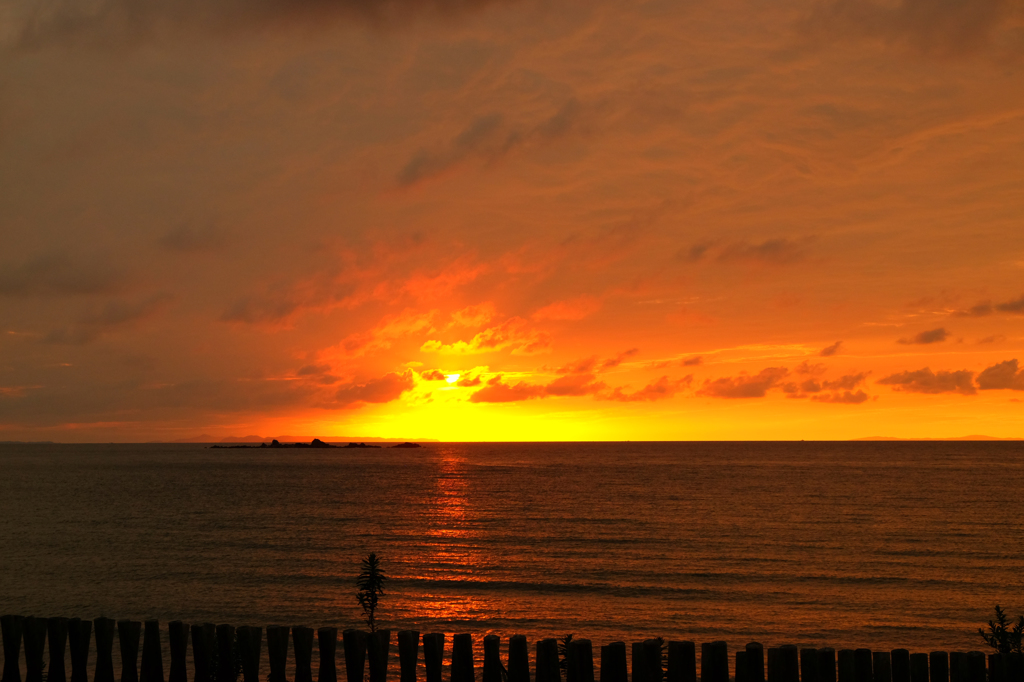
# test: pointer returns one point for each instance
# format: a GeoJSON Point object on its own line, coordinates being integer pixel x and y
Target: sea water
{"type": "Point", "coordinates": [842, 544]}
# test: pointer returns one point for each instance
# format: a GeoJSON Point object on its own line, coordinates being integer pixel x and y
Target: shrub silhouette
{"type": "Point", "coordinates": [371, 588]}
{"type": "Point", "coordinates": [1001, 636]}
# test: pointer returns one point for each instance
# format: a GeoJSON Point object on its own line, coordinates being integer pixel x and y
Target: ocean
{"type": "Point", "coordinates": [842, 544]}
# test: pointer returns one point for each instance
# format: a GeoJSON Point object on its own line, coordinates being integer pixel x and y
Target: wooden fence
{"type": "Point", "coordinates": [217, 650]}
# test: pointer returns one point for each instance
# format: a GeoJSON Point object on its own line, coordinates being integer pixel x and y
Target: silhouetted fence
{"type": "Point", "coordinates": [223, 653]}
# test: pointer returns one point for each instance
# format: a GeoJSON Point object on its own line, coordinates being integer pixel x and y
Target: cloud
{"type": "Point", "coordinates": [807, 368]}
{"type": "Point", "coordinates": [433, 375]}
{"type": "Point", "coordinates": [926, 381]}
{"type": "Point", "coordinates": [584, 366]}
{"type": "Point", "coordinates": [744, 386]}
{"type": "Point", "coordinates": [1016, 306]}
{"type": "Point", "coordinates": [114, 315]}
{"type": "Point", "coordinates": [692, 361]}
{"type": "Point", "coordinates": [131, 20]}
{"type": "Point", "coordinates": [773, 252]}
{"type": "Point", "coordinates": [829, 351]}
{"type": "Point", "coordinates": [58, 275]}
{"type": "Point", "coordinates": [848, 381]}
{"type": "Point", "coordinates": [514, 334]}
{"type": "Point", "coordinates": [992, 339]}
{"type": "Point", "coordinates": [574, 385]}
{"type": "Point", "coordinates": [930, 336]}
{"type": "Point", "coordinates": [383, 390]}
{"type": "Point", "coordinates": [657, 390]}
{"type": "Point", "coordinates": [469, 382]}
{"type": "Point", "coordinates": [938, 27]}
{"type": "Point", "coordinates": [1003, 375]}
{"type": "Point", "coordinates": [570, 309]}
{"type": "Point", "coordinates": [828, 390]}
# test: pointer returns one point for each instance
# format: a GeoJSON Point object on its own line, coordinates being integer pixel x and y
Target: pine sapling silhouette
{"type": "Point", "coordinates": [371, 588]}
{"type": "Point", "coordinates": [1001, 636]}
{"type": "Point", "coordinates": [563, 654]}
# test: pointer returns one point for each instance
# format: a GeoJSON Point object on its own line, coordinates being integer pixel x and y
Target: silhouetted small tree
{"type": "Point", "coordinates": [371, 588]}
{"type": "Point", "coordinates": [1001, 636]}
{"type": "Point", "coordinates": [563, 653]}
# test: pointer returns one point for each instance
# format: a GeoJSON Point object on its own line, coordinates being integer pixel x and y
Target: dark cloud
{"type": "Point", "coordinates": [657, 390]}
{"type": "Point", "coordinates": [383, 390]}
{"type": "Point", "coordinates": [745, 386]}
{"type": "Point", "coordinates": [807, 368]}
{"type": "Point", "coordinates": [433, 375]}
{"type": "Point", "coordinates": [469, 382]}
{"type": "Point", "coordinates": [499, 392]}
{"type": "Point", "coordinates": [487, 138]}
{"type": "Point", "coordinates": [611, 363]}
{"type": "Point", "coordinates": [829, 351]}
{"type": "Point", "coordinates": [574, 385]}
{"type": "Point", "coordinates": [188, 239]}
{"type": "Point", "coordinates": [59, 275]}
{"type": "Point", "coordinates": [112, 21]}
{"type": "Point", "coordinates": [773, 252]}
{"type": "Point", "coordinates": [114, 315]}
{"type": "Point", "coordinates": [694, 253]}
{"type": "Point", "coordinates": [692, 361]}
{"type": "Point", "coordinates": [926, 381]}
{"type": "Point", "coordinates": [980, 310]}
{"type": "Point", "coordinates": [939, 27]}
{"type": "Point", "coordinates": [845, 398]}
{"type": "Point", "coordinates": [992, 339]}
{"type": "Point", "coordinates": [321, 374]}
{"type": "Point", "coordinates": [930, 336]}
{"type": "Point", "coordinates": [1002, 375]}
{"type": "Point", "coordinates": [584, 366]}
{"type": "Point", "coordinates": [1015, 306]}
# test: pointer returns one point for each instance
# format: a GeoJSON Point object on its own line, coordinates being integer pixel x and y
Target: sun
{"type": "Point", "coordinates": [451, 378]}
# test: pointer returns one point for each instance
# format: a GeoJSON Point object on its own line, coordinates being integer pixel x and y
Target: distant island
{"type": "Point", "coordinates": [315, 443]}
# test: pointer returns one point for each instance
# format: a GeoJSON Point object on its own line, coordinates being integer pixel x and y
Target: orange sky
{"type": "Point", "coordinates": [618, 219]}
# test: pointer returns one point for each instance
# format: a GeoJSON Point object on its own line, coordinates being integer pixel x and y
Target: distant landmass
{"type": "Point", "coordinates": [316, 443]}
{"type": "Point", "coordinates": [207, 438]}
{"type": "Point", "coordinates": [975, 437]}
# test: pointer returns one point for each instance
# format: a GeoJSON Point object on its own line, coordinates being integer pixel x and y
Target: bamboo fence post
{"type": "Point", "coordinates": [652, 660]}
{"type": "Point", "coordinates": [755, 662]}
{"type": "Point", "coordinates": [354, 642]}
{"type": "Point", "coordinates": [862, 665]}
{"type": "Point", "coordinates": [408, 654]}
{"type": "Point", "coordinates": [582, 660]}
{"type": "Point", "coordinates": [250, 643]}
{"type": "Point", "coordinates": [938, 666]}
{"type": "Point", "coordinates": [845, 666]}
{"type": "Point", "coordinates": [492, 659]}
{"type": "Point", "coordinates": [682, 661]}
{"type": "Point", "coordinates": [639, 661]}
{"type": "Point", "coordinates": [302, 642]}
{"type": "Point", "coordinates": [996, 669]}
{"type": "Point", "coordinates": [152, 655]}
{"type": "Point", "coordinates": [827, 664]}
{"type": "Point", "coordinates": [714, 661]}
{"type": "Point", "coordinates": [128, 632]}
{"type": "Point", "coordinates": [742, 674]}
{"type": "Point", "coordinates": [613, 663]}
{"type": "Point", "coordinates": [900, 659]}
{"type": "Point", "coordinates": [103, 630]}
{"type": "Point", "coordinates": [881, 666]}
{"type": "Point", "coordinates": [547, 661]}
{"type": "Point", "coordinates": [789, 663]}
{"type": "Point", "coordinates": [1014, 667]}
{"type": "Point", "coordinates": [225, 653]}
{"type": "Point", "coordinates": [177, 636]}
{"type": "Point", "coordinates": [774, 668]}
{"type": "Point", "coordinates": [79, 634]}
{"type": "Point", "coordinates": [433, 656]}
{"type": "Point", "coordinates": [378, 648]}
{"type": "Point", "coordinates": [957, 666]}
{"type": "Point", "coordinates": [277, 651]}
{"type": "Point", "coordinates": [519, 659]}
{"type": "Point", "coordinates": [808, 665]}
{"type": "Point", "coordinates": [327, 646]}
{"type": "Point", "coordinates": [462, 658]}
{"type": "Point", "coordinates": [204, 641]}
{"type": "Point", "coordinates": [34, 630]}
{"type": "Point", "coordinates": [12, 627]}
{"type": "Point", "coordinates": [918, 667]}
{"type": "Point", "coordinates": [57, 639]}
{"type": "Point", "coordinates": [976, 666]}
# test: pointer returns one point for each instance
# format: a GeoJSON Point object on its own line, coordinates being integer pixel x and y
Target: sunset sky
{"type": "Point", "coordinates": [511, 220]}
